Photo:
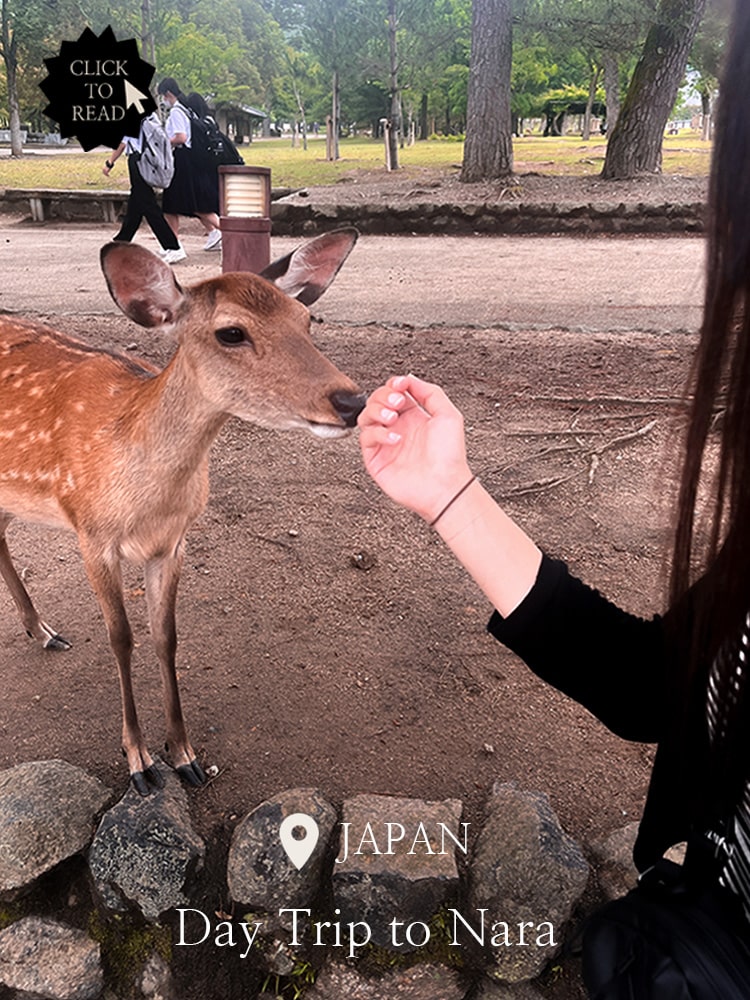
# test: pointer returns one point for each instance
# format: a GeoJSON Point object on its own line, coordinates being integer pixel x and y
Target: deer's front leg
{"type": "Point", "coordinates": [35, 627]}
{"type": "Point", "coordinates": [162, 579]}
{"type": "Point", "coordinates": [106, 580]}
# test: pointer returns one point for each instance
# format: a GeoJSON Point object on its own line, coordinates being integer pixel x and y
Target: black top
{"type": "Point", "coordinates": [621, 667]}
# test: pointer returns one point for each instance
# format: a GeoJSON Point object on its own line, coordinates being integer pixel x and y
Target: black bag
{"type": "Point", "coordinates": [210, 147]}
{"type": "Point", "coordinates": [677, 936]}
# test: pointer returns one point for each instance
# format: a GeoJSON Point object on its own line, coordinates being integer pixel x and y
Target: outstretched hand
{"type": "Point", "coordinates": [412, 440]}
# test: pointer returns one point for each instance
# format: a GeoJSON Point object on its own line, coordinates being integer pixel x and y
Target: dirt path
{"type": "Point", "coordinates": [327, 639]}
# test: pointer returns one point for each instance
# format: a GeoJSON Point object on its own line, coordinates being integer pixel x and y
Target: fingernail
{"type": "Point", "coordinates": [393, 437]}
{"type": "Point", "coordinates": [395, 398]}
{"type": "Point", "coordinates": [387, 414]}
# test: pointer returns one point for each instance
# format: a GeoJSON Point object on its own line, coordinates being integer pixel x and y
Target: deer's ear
{"type": "Point", "coordinates": [306, 272]}
{"type": "Point", "coordinates": [143, 286]}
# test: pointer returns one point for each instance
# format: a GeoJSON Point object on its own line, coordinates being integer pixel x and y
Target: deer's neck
{"type": "Point", "coordinates": [174, 420]}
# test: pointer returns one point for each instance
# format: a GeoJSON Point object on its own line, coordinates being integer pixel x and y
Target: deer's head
{"type": "Point", "coordinates": [246, 338]}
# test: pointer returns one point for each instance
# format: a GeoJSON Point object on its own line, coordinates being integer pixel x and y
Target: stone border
{"type": "Point", "coordinates": [298, 214]}
{"type": "Point", "coordinates": [295, 217]}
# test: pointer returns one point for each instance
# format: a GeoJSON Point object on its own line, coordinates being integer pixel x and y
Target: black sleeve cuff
{"type": "Point", "coordinates": [527, 614]}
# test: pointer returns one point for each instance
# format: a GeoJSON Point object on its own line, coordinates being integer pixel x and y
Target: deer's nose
{"type": "Point", "coordinates": [348, 405]}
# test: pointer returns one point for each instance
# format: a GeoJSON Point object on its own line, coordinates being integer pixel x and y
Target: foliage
{"type": "Point", "coordinates": [280, 55]}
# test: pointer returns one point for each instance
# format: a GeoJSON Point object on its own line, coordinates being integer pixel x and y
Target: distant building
{"type": "Point", "coordinates": [238, 120]}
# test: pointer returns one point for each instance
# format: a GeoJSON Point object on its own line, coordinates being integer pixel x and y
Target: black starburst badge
{"type": "Point", "coordinates": [98, 89]}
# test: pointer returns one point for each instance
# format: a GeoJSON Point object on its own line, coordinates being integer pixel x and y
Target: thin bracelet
{"type": "Point", "coordinates": [450, 503]}
{"type": "Point", "coordinates": [108, 165]}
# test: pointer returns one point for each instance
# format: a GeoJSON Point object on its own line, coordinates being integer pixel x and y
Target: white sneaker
{"type": "Point", "coordinates": [173, 256]}
{"type": "Point", "coordinates": [213, 242]}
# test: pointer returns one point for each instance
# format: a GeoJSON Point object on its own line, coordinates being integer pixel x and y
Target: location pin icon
{"type": "Point", "coordinates": [299, 851]}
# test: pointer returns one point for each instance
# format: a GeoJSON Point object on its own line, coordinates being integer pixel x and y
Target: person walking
{"type": "Point", "coordinates": [180, 197]}
{"type": "Point", "coordinates": [680, 680]}
{"type": "Point", "coordinates": [205, 177]}
{"type": "Point", "coordinates": [142, 201]}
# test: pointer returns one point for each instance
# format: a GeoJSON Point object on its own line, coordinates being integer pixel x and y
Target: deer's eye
{"type": "Point", "coordinates": [232, 336]}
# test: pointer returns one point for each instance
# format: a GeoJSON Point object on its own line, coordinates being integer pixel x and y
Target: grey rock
{"type": "Point", "coordinates": [48, 811]}
{"type": "Point", "coordinates": [613, 858]}
{"type": "Point", "coordinates": [44, 958]}
{"type": "Point", "coordinates": [407, 880]}
{"type": "Point", "coordinates": [525, 870]}
{"type": "Point", "coordinates": [260, 873]}
{"type": "Point", "coordinates": [426, 981]}
{"type": "Point", "coordinates": [145, 850]}
{"type": "Point", "coordinates": [156, 979]}
{"type": "Point", "coordinates": [487, 990]}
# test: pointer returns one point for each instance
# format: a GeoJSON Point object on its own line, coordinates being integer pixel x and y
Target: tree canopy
{"type": "Point", "coordinates": [406, 61]}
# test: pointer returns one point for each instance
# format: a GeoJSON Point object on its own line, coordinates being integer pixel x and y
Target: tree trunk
{"type": "Point", "coordinates": [394, 130]}
{"type": "Point", "coordinates": [634, 145]}
{"type": "Point", "coordinates": [424, 123]}
{"type": "Point", "coordinates": [488, 150]}
{"type": "Point", "coordinates": [611, 89]}
{"type": "Point", "coordinates": [593, 84]}
{"type": "Point", "coordinates": [706, 114]}
{"type": "Point", "coordinates": [335, 98]}
{"type": "Point", "coordinates": [10, 57]}
{"type": "Point", "coordinates": [147, 36]}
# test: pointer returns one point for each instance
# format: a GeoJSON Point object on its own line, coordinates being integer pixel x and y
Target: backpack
{"type": "Point", "coordinates": [668, 939]}
{"type": "Point", "coordinates": [156, 161]}
{"type": "Point", "coordinates": [210, 147]}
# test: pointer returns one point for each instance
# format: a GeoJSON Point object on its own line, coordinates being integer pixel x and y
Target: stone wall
{"type": "Point", "coordinates": [295, 216]}
{"type": "Point", "coordinates": [378, 897]}
{"type": "Point", "coordinates": [298, 214]}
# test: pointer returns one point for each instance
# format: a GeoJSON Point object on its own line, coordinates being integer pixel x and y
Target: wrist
{"type": "Point", "coordinates": [444, 493]}
{"type": "Point", "coordinates": [109, 164]}
{"type": "Point", "coordinates": [453, 500]}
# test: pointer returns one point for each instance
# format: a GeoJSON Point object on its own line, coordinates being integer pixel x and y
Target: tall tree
{"type": "Point", "coordinates": [634, 146]}
{"type": "Point", "coordinates": [9, 51]}
{"type": "Point", "coordinates": [488, 150]}
{"type": "Point", "coordinates": [333, 33]}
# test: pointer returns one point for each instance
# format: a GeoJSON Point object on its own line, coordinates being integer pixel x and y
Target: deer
{"type": "Point", "coordinates": [116, 449]}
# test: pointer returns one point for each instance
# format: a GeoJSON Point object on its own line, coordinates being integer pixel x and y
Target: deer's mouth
{"type": "Point", "coordinates": [329, 431]}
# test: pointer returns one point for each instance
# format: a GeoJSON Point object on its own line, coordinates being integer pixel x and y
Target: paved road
{"type": "Point", "coordinates": [527, 282]}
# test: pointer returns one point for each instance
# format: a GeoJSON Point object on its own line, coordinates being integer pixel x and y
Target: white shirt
{"type": "Point", "coordinates": [178, 121]}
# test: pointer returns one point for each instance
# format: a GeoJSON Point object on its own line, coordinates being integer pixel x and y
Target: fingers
{"type": "Point", "coordinates": [383, 408]}
{"type": "Point", "coordinates": [400, 393]}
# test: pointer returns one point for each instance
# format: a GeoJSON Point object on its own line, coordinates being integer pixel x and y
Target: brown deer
{"type": "Point", "coordinates": [118, 451]}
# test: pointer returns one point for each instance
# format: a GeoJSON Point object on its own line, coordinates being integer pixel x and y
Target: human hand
{"type": "Point", "coordinates": [412, 441]}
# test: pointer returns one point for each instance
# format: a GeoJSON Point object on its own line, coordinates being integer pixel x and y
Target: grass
{"type": "Point", "coordinates": [684, 154]}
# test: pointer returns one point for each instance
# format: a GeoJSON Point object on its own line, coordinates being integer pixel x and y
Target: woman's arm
{"type": "Point", "coordinates": [412, 440]}
{"type": "Point", "coordinates": [613, 663]}
{"type": "Point", "coordinates": [109, 163]}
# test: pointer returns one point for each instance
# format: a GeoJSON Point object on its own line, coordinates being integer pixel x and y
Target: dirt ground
{"type": "Point", "coordinates": [529, 183]}
{"type": "Point", "coordinates": [327, 638]}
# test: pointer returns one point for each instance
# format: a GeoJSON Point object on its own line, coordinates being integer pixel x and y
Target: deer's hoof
{"type": "Point", "coordinates": [50, 639]}
{"type": "Point", "coordinates": [57, 642]}
{"type": "Point", "coordinates": [144, 781]}
{"type": "Point", "coordinates": [139, 782]}
{"type": "Point", "coordinates": [192, 774]}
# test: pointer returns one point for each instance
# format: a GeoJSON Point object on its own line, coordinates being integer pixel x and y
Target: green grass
{"type": "Point", "coordinates": [683, 154]}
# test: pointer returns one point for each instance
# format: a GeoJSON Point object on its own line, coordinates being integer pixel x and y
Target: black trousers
{"type": "Point", "coordinates": [142, 204]}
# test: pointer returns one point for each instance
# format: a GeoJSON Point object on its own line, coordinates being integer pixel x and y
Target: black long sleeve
{"type": "Point", "coordinates": [611, 662]}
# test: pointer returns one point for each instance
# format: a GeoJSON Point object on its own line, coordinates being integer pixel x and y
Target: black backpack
{"type": "Point", "coordinates": [210, 147]}
{"type": "Point", "coordinates": [674, 937]}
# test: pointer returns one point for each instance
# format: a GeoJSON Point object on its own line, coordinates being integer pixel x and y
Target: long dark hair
{"type": "Point", "coordinates": [170, 84]}
{"type": "Point", "coordinates": [719, 486]}
{"type": "Point", "coordinates": [197, 103]}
